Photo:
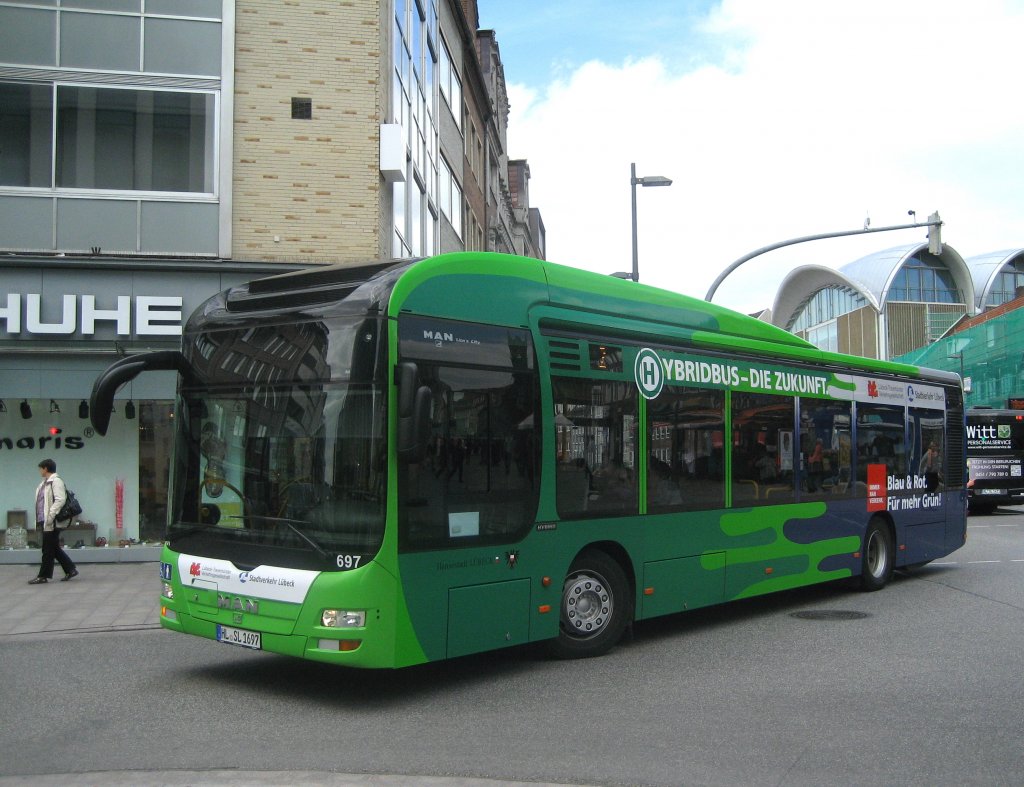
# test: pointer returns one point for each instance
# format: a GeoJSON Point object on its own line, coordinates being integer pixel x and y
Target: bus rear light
{"type": "Point", "coordinates": [168, 591]}
{"type": "Point", "coordinates": [170, 614]}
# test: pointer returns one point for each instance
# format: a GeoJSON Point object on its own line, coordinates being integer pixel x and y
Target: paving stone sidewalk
{"type": "Point", "coordinates": [103, 597]}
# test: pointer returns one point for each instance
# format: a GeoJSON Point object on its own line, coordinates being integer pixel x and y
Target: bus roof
{"type": "Point", "coordinates": [511, 290]}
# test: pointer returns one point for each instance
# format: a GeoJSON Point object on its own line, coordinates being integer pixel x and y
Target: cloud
{"type": "Point", "coordinates": [803, 117]}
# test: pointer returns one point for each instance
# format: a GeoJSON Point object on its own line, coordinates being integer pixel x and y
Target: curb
{"type": "Point", "coordinates": [133, 554]}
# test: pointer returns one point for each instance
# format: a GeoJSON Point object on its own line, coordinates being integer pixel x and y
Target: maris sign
{"type": "Point", "coordinates": [138, 315]}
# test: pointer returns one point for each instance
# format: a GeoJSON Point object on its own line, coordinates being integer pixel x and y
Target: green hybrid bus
{"type": "Point", "coordinates": [386, 465]}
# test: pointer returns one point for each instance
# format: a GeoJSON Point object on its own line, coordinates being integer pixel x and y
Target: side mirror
{"type": "Point", "coordinates": [413, 414]}
{"type": "Point", "coordinates": [120, 372]}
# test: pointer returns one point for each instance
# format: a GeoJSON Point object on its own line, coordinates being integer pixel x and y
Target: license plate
{"type": "Point", "coordinates": [233, 636]}
{"type": "Point", "coordinates": [992, 491]}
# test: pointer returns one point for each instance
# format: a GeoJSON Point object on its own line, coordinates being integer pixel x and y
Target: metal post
{"type": "Point", "coordinates": [632, 186]}
{"type": "Point", "coordinates": [933, 221]}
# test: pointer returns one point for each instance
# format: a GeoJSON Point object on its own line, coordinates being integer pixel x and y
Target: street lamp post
{"type": "Point", "coordinates": [634, 181]}
{"type": "Point", "coordinates": [934, 225]}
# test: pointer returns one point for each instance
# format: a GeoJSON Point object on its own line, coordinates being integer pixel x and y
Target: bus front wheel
{"type": "Point", "coordinates": [877, 557]}
{"type": "Point", "coordinates": [595, 609]}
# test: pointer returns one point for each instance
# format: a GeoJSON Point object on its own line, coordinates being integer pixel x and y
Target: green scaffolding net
{"type": "Point", "coordinates": [989, 356]}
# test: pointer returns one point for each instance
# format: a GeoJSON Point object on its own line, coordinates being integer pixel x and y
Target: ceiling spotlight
{"type": "Point", "coordinates": [54, 407]}
{"type": "Point", "coordinates": [129, 410]}
{"type": "Point", "coordinates": [83, 409]}
{"type": "Point", "coordinates": [26, 409]}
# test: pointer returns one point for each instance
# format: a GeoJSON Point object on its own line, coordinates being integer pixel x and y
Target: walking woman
{"type": "Point", "coordinates": [50, 496]}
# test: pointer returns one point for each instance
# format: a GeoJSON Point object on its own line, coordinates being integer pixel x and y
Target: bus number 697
{"type": "Point", "coordinates": [349, 561]}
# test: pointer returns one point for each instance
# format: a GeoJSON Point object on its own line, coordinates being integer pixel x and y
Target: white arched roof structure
{"type": "Point", "coordinates": [984, 270]}
{"type": "Point", "coordinates": [870, 276]}
{"type": "Point", "coordinates": [801, 285]}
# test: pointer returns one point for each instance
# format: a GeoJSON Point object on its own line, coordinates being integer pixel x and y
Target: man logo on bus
{"type": "Point", "coordinates": [649, 374]}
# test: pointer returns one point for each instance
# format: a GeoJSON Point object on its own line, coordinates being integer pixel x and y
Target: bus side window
{"type": "Point", "coordinates": [477, 481]}
{"type": "Point", "coordinates": [825, 448]}
{"type": "Point", "coordinates": [595, 429]}
{"type": "Point", "coordinates": [926, 450]}
{"type": "Point", "coordinates": [762, 449]}
{"type": "Point", "coordinates": [880, 439]}
{"type": "Point", "coordinates": [685, 450]}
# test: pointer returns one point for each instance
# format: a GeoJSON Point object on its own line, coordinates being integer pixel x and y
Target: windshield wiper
{"type": "Point", "coordinates": [191, 531]}
{"type": "Point", "coordinates": [289, 523]}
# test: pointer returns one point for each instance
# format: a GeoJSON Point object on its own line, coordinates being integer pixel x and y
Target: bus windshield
{"type": "Point", "coordinates": [286, 472]}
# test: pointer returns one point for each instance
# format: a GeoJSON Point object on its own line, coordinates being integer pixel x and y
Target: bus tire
{"type": "Point", "coordinates": [596, 607]}
{"type": "Point", "coordinates": [878, 556]}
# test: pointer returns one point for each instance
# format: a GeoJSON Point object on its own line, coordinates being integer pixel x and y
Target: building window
{"type": "Point", "coordinates": [450, 195]}
{"type": "Point", "coordinates": [134, 140]}
{"type": "Point", "coordinates": [401, 248]}
{"type": "Point", "coordinates": [1007, 284]}
{"type": "Point", "coordinates": [924, 279]}
{"type": "Point", "coordinates": [126, 140]}
{"type": "Point", "coordinates": [826, 304]}
{"type": "Point", "coordinates": [451, 85]}
{"type": "Point", "coordinates": [26, 132]}
{"type": "Point", "coordinates": [825, 336]}
{"type": "Point", "coordinates": [302, 108]}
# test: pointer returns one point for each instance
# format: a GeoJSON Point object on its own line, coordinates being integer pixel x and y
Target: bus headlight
{"type": "Point", "coordinates": [168, 591]}
{"type": "Point", "coordinates": [343, 618]}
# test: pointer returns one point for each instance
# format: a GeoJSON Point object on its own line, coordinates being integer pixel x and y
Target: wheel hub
{"type": "Point", "coordinates": [587, 605]}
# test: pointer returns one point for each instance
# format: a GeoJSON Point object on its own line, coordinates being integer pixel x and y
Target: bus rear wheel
{"type": "Point", "coordinates": [595, 609]}
{"type": "Point", "coordinates": [877, 557]}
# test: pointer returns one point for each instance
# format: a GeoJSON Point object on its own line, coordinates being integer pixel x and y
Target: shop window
{"type": "Point", "coordinates": [156, 436]}
{"type": "Point", "coordinates": [762, 449]}
{"type": "Point", "coordinates": [685, 451]}
{"type": "Point", "coordinates": [595, 426]}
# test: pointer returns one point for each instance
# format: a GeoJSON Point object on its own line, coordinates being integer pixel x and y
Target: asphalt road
{"type": "Point", "coordinates": [917, 684]}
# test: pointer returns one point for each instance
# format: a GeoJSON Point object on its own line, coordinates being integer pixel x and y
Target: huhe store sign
{"type": "Point", "coordinates": [131, 315]}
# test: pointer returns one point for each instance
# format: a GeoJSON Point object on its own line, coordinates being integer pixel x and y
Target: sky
{"type": "Point", "coordinates": [774, 120]}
